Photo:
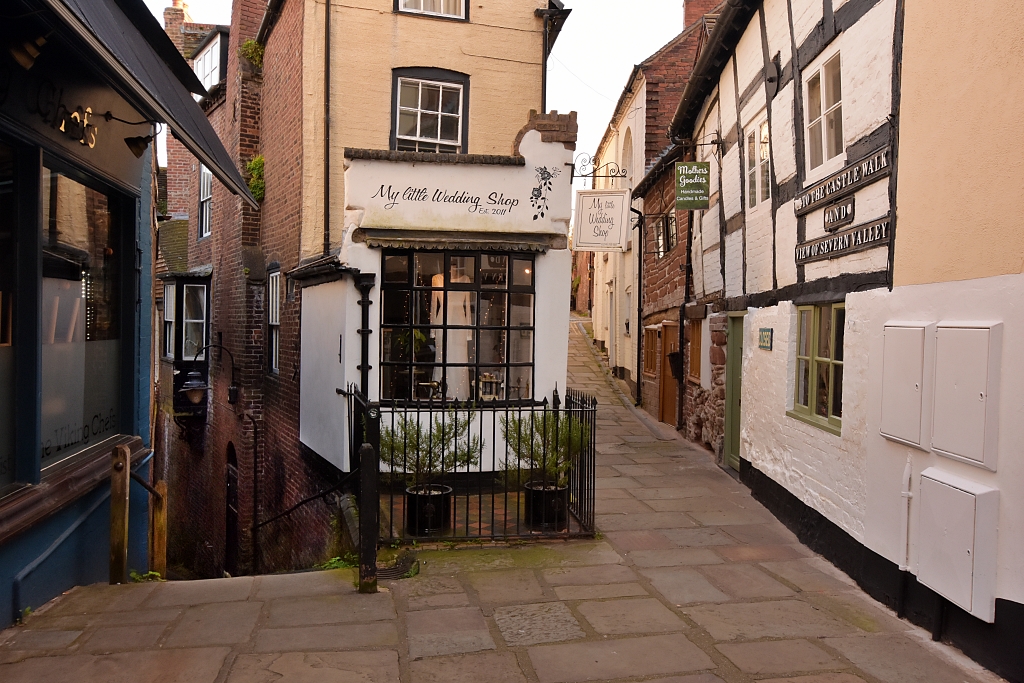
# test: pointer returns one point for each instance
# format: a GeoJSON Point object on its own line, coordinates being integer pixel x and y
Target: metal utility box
{"type": "Point", "coordinates": [966, 403]}
{"type": "Point", "coordinates": [907, 360]}
{"type": "Point", "coordinates": [956, 540]}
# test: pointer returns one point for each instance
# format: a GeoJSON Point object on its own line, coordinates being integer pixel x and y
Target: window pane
{"type": "Point", "coordinates": [833, 83]}
{"type": "Point", "coordinates": [195, 303]}
{"type": "Point", "coordinates": [459, 383]}
{"type": "Point", "coordinates": [461, 308]}
{"type": "Point", "coordinates": [80, 318]}
{"type": "Point", "coordinates": [405, 145]}
{"type": "Point", "coordinates": [396, 269]}
{"type": "Point", "coordinates": [428, 266]}
{"type": "Point", "coordinates": [834, 123]}
{"type": "Point", "coordinates": [431, 5]}
{"type": "Point", "coordinates": [837, 390]}
{"type": "Point", "coordinates": [394, 382]}
{"type": "Point", "coordinates": [521, 310]}
{"type": "Point", "coordinates": [752, 189]}
{"type": "Point", "coordinates": [492, 346]}
{"type": "Point", "coordinates": [396, 308]}
{"type": "Point", "coordinates": [670, 232]}
{"type": "Point", "coordinates": [814, 97]}
{"type": "Point", "coordinates": [766, 183]}
{"type": "Point", "coordinates": [494, 271]}
{"type": "Point", "coordinates": [427, 382]}
{"type": "Point", "coordinates": [407, 123]}
{"type": "Point", "coordinates": [491, 384]}
{"type": "Point", "coordinates": [520, 346]}
{"type": "Point", "coordinates": [522, 273]}
{"type": "Point", "coordinates": [824, 315]}
{"type": "Point", "coordinates": [840, 333]}
{"type": "Point", "coordinates": [751, 152]}
{"type": "Point", "coordinates": [7, 296]}
{"type": "Point", "coordinates": [763, 144]}
{"type": "Point", "coordinates": [168, 302]}
{"type": "Point", "coordinates": [821, 390]}
{"type": "Point", "coordinates": [803, 380]}
{"type": "Point", "coordinates": [463, 269]}
{"type": "Point", "coordinates": [396, 344]}
{"type": "Point", "coordinates": [449, 127]}
{"type": "Point", "coordinates": [519, 380]}
{"type": "Point", "coordinates": [430, 97]}
{"type": "Point", "coordinates": [804, 345]}
{"type": "Point", "coordinates": [424, 345]}
{"type": "Point", "coordinates": [447, 149]}
{"type": "Point", "coordinates": [428, 126]}
{"type": "Point", "coordinates": [409, 95]}
{"type": "Point", "coordinates": [492, 309]}
{"type": "Point", "coordinates": [450, 100]}
{"type": "Point", "coordinates": [453, 7]}
{"type": "Point", "coordinates": [193, 341]}
{"type": "Point", "coordinates": [460, 347]}
{"type": "Point", "coordinates": [814, 142]}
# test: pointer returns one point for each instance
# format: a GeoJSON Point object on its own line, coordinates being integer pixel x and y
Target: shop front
{"type": "Point", "coordinates": [82, 90]}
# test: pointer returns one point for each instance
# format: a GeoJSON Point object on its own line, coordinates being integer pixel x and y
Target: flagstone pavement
{"type": "Point", "coordinates": [689, 581]}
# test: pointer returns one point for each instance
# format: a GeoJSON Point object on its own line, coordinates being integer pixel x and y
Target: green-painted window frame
{"type": "Point", "coordinates": [808, 352]}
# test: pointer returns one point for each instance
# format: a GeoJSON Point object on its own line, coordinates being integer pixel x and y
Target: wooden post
{"type": "Point", "coordinates": [120, 476]}
{"type": "Point", "coordinates": [158, 531]}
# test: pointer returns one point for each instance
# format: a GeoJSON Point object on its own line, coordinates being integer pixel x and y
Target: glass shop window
{"type": "Point", "coordinates": [7, 297]}
{"type": "Point", "coordinates": [457, 327]}
{"type": "Point", "coordinates": [81, 343]}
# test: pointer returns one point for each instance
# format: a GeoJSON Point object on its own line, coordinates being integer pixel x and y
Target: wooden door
{"type": "Point", "coordinates": [668, 384]}
{"type": "Point", "coordinates": [733, 386]}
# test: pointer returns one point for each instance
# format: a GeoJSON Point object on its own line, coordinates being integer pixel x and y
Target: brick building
{"type": "Point", "coordinates": [274, 293]}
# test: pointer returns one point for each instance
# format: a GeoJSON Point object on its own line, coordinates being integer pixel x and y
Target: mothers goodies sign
{"type": "Point", "coordinates": [602, 220]}
{"type": "Point", "coordinates": [693, 185]}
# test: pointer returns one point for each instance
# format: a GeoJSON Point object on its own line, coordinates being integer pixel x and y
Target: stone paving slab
{"type": "Point", "coordinates": [778, 657]}
{"type": "Point", "coordinates": [215, 624]}
{"type": "Point", "coordinates": [619, 617]}
{"type": "Point", "coordinates": [609, 659]}
{"type": "Point", "coordinates": [494, 667]}
{"type": "Point", "coordinates": [533, 624]}
{"type": "Point", "coordinates": [330, 637]}
{"type": "Point", "coordinates": [169, 666]}
{"type": "Point", "coordinates": [305, 667]}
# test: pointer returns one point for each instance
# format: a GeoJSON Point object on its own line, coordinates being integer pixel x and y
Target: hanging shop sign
{"type": "Point", "coordinates": [839, 214]}
{"type": "Point", "coordinates": [849, 241]}
{"type": "Point", "coordinates": [693, 185]}
{"type": "Point", "coordinates": [852, 177]}
{"type": "Point", "coordinates": [602, 220]}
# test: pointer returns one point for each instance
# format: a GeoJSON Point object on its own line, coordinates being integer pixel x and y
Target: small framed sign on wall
{"type": "Point", "coordinates": [764, 338]}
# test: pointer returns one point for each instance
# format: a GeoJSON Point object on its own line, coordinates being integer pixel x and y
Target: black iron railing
{"type": "Point", "coordinates": [463, 470]}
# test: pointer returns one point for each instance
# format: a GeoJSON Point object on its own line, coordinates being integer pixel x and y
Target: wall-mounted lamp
{"type": "Point", "coordinates": [195, 388]}
{"type": "Point", "coordinates": [137, 144]}
{"type": "Point", "coordinates": [25, 52]}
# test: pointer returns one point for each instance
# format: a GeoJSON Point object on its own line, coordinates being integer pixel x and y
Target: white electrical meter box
{"type": "Point", "coordinates": [965, 415]}
{"type": "Point", "coordinates": [907, 358]}
{"type": "Point", "coordinates": [956, 541]}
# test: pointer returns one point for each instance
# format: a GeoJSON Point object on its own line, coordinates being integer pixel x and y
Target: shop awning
{"type": "Point", "coordinates": [149, 76]}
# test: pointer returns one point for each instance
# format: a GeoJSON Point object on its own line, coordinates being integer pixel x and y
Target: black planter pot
{"type": "Point", "coordinates": [547, 505]}
{"type": "Point", "coordinates": [428, 509]}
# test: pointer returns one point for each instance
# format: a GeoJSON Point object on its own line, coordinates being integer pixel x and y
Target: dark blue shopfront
{"type": "Point", "coordinates": [83, 87]}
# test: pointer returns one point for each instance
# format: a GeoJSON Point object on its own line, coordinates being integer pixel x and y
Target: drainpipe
{"type": "Point", "coordinates": [908, 473]}
{"type": "Point", "coordinates": [639, 308]}
{"type": "Point", "coordinates": [544, 66]}
{"type": "Point", "coordinates": [327, 129]}
{"type": "Point", "coordinates": [365, 282]}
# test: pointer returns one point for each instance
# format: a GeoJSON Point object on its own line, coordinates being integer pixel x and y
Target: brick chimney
{"type": "Point", "coordinates": [693, 10]}
{"type": "Point", "coordinates": [174, 18]}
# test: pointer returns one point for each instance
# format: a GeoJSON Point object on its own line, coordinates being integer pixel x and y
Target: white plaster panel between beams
{"type": "Point", "coordinates": [785, 244]}
{"type": "Point", "coordinates": [869, 261]}
{"type": "Point", "coordinates": [696, 251]}
{"type": "Point", "coordinates": [734, 263]}
{"type": "Point", "coordinates": [872, 201]}
{"type": "Point", "coordinates": [866, 49]}
{"type": "Point", "coordinates": [712, 272]}
{"type": "Point", "coordinates": [709, 227]}
{"type": "Point", "coordinates": [783, 141]}
{"type": "Point", "coordinates": [749, 57]}
{"type": "Point", "coordinates": [727, 102]}
{"type": "Point", "coordinates": [759, 250]}
{"type": "Point", "coordinates": [819, 468]}
{"type": "Point", "coordinates": [732, 178]}
{"type": "Point", "coordinates": [806, 14]}
{"type": "Point", "coordinates": [776, 19]}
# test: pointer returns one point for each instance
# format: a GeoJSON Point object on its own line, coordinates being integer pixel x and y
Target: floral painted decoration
{"type": "Point", "coordinates": [539, 194]}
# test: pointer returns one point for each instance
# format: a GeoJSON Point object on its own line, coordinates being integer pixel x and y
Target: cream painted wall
{"type": "Point", "coordinates": [500, 48]}
{"type": "Point", "coordinates": [960, 194]}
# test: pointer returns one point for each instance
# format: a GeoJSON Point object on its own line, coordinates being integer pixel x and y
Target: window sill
{"type": "Point", "coordinates": [815, 422]}
{"type": "Point", "coordinates": [66, 482]}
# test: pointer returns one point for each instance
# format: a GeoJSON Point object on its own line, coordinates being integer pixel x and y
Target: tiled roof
{"type": "Point", "coordinates": [174, 245]}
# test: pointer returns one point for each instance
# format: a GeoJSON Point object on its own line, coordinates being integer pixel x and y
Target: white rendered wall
{"type": "Point", "coordinates": [855, 479]}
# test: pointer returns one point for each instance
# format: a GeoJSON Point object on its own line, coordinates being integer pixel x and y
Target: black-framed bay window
{"type": "Point", "coordinates": [8, 227]}
{"type": "Point", "coordinates": [457, 326]}
{"type": "Point", "coordinates": [186, 331]}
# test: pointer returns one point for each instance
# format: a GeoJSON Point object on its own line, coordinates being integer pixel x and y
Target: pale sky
{"type": "Point", "coordinates": [588, 68]}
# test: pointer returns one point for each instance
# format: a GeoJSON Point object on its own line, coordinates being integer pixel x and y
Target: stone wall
{"type": "Point", "coordinates": [704, 406]}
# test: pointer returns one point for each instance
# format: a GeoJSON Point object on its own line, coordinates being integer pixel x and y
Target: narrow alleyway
{"type": "Point", "coordinates": [691, 581]}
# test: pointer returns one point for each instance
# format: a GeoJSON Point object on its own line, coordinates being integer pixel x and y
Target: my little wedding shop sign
{"type": "Point", "coordinates": [531, 197]}
{"type": "Point", "coordinates": [602, 220]}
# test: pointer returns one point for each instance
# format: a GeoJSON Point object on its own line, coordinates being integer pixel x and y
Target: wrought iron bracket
{"type": "Point", "coordinates": [583, 167]}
